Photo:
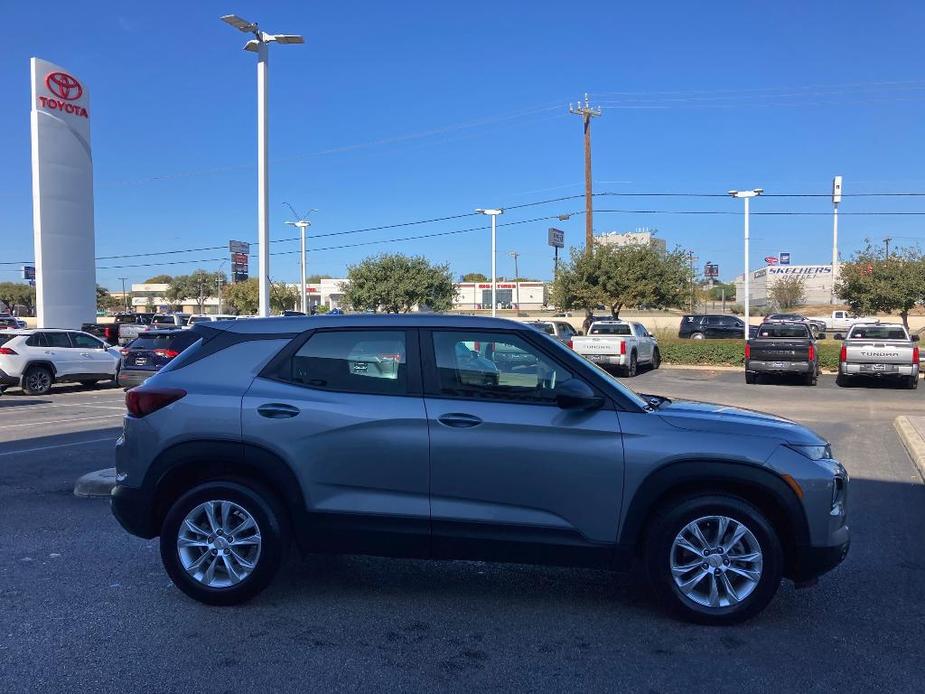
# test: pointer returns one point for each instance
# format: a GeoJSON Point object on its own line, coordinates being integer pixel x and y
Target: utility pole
{"type": "Point", "coordinates": [887, 242]}
{"type": "Point", "coordinates": [836, 198]}
{"type": "Point", "coordinates": [124, 295]}
{"type": "Point", "coordinates": [515, 255]}
{"type": "Point", "coordinates": [690, 255]}
{"type": "Point", "coordinates": [587, 113]}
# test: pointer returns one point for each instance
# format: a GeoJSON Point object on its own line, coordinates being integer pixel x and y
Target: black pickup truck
{"type": "Point", "coordinates": [782, 349]}
{"type": "Point", "coordinates": [124, 328]}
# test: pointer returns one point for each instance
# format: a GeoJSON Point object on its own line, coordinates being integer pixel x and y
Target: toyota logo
{"type": "Point", "coordinates": [64, 86]}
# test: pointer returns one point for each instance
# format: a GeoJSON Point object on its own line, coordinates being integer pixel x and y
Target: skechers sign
{"type": "Point", "coordinates": [801, 270]}
{"type": "Point", "coordinates": [64, 89]}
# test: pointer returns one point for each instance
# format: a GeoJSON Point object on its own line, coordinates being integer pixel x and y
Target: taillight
{"type": "Point", "coordinates": [107, 331]}
{"type": "Point", "coordinates": [124, 351]}
{"type": "Point", "coordinates": [168, 353]}
{"type": "Point", "coordinates": [843, 357]}
{"type": "Point", "coordinates": [622, 346]}
{"type": "Point", "coordinates": [915, 354]}
{"type": "Point", "coordinates": [141, 402]}
{"type": "Point", "coordinates": [748, 351]}
{"type": "Point", "coordinates": [570, 344]}
{"type": "Point", "coordinates": [7, 350]}
{"type": "Point", "coordinates": [812, 352]}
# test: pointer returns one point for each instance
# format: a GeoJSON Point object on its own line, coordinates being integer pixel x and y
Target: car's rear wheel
{"type": "Point", "coordinates": [750, 378]}
{"type": "Point", "coordinates": [633, 366]}
{"type": "Point", "coordinates": [222, 542]}
{"type": "Point", "coordinates": [912, 382]}
{"type": "Point", "coordinates": [810, 379]}
{"type": "Point", "coordinates": [713, 559]}
{"type": "Point", "coordinates": [841, 380]}
{"type": "Point", "coordinates": [697, 336]}
{"type": "Point", "coordinates": [37, 380]}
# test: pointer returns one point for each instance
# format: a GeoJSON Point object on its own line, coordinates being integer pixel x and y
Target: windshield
{"type": "Point", "coordinates": [877, 332]}
{"type": "Point", "coordinates": [604, 329]}
{"type": "Point", "coordinates": [782, 330]}
{"type": "Point", "coordinates": [176, 342]}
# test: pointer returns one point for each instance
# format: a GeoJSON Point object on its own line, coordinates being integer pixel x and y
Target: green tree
{"type": "Point", "coordinates": [873, 282]}
{"type": "Point", "coordinates": [637, 276]}
{"type": "Point", "coordinates": [315, 279]}
{"type": "Point", "coordinates": [397, 283]}
{"type": "Point", "coordinates": [15, 294]}
{"type": "Point", "coordinates": [159, 279]}
{"type": "Point", "coordinates": [720, 289]}
{"type": "Point", "coordinates": [106, 301]}
{"type": "Point", "coordinates": [474, 277]}
{"type": "Point", "coordinates": [198, 286]}
{"type": "Point", "coordinates": [244, 297]}
{"type": "Point", "coordinates": [788, 291]}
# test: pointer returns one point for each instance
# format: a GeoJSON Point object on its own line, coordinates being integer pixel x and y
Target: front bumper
{"type": "Point", "coordinates": [133, 508]}
{"type": "Point", "coordinates": [812, 562]}
{"type": "Point", "coordinates": [780, 367]}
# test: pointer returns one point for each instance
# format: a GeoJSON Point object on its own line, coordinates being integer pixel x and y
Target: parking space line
{"type": "Point", "coordinates": [59, 445]}
{"type": "Point", "coordinates": [58, 421]}
{"type": "Point", "coordinates": [42, 408]}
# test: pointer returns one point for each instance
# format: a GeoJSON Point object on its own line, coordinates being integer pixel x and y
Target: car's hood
{"type": "Point", "coordinates": [723, 419]}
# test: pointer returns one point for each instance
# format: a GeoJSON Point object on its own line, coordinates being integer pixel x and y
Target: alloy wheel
{"type": "Point", "coordinates": [716, 561]}
{"type": "Point", "coordinates": [39, 381]}
{"type": "Point", "coordinates": [219, 543]}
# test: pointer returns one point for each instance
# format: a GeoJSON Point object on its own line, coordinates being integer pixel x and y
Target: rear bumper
{"type": "Point", "coordinates": [780, 367]}
{"type": "Point", "coordinates": [129, 378]}
{"type": "Point", "coordinates": [884, 372]}
{"type": "Point", "coordinates": [133, 509]}
{"type": "Point", "coordinates": [607, 359]}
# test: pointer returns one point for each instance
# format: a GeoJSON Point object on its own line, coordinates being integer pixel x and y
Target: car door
{"type": "Point", "coordinates": [343, 407]}
{"type": "Point", "coordinates": [644, 343]}
{"type": "Point", "coordinates": [93, 357]}
{"type": "Point", "coordinates": [512, 474]}
{"type": "Point", "coordinates": [60, 352]}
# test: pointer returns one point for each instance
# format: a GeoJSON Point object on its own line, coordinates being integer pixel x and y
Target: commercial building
{"type": "Point", "coordinates": [818, 282]}
{"type": "Point", "coordinates": [640, 237]}
{"type": "Point", "coordinates": [153, 297]}
{"type": "Point", "coordinates": [526, 296]}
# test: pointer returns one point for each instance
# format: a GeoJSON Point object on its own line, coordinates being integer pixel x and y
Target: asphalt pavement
{"type": "Point", "coordinates": [84, 606]}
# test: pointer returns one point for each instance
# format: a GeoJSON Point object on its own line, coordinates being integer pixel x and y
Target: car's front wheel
{"type": "Point", "coordinates": [656, 359]}
{"type": "Point", "coordinates": [222, 542]}
{"type": "Point", "coordinates": [714, 559]}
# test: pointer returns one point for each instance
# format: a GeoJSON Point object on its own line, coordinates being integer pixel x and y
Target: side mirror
{"type": "Point", "coordinates": [575, 394]}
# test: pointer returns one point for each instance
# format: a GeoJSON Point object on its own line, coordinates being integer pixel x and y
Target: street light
{"type": "Point", "coordinates": [259, 45]}
{"type": "Point", "coordinates": [493, 213]}
{"type": "Point", "coordinates": [746, 195]}
{"type": "Point", "coordinates": [302, 223]}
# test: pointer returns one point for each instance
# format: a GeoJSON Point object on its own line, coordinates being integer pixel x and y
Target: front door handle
{"type": "Point", "coordinates": [459, 420]}
{"type": "Point", "coordinates": [277, 410]}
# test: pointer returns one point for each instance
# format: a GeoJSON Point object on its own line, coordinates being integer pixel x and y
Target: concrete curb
{"type": "Point", "coordinates": [96, 484]}
{"type": "Point", "coordinates": [708, 367]}
{"type": "Point", "coordinates": [913, 441]}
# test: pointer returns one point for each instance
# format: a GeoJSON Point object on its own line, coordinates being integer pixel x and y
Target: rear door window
{"type": "Point", "coordinates": [82, 341]}
{"type": "Point", "coordinates": [59, 340]}
{"type": "Point", "coordinates": [374, 362]}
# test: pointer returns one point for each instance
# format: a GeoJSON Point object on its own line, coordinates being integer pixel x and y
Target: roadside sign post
{"type": "Point", "coordinates": [556, 239]}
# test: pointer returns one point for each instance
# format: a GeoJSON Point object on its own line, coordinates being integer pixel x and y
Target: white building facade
{"type": "Point", "coordinates": [640, 237]}
{"type": "Point", "coordinates": [818, 283]}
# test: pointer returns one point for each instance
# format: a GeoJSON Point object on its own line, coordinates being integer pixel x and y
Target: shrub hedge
{"type": "Point", "coordinates": [731, 352]}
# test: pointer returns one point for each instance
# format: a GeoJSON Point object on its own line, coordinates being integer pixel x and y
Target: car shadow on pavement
{"type": "Point", "coordinates": [18, 403]}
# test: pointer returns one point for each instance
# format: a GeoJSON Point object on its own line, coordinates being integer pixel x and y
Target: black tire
{"type": "Point", "coordinates": [697, 336]}
{"type": "Point", "coordinates": [841, 380]}
{"type": "Point", "coordinates": [270, 517]}
{"type": "Point", "coordinates": [656, 358]}
{"type": "Point", "coordinates": [633, 367]}
{"type": "Point", "coordinates": [750, 378]}
{"type": "Point", "coordinates": [912, 382]}
{"type": "Point", "coordinates": [810, 379]}
{"type": "Point", "coordinates": [37, 380]}
{"type": "Point", "coordinates": [669, 521]}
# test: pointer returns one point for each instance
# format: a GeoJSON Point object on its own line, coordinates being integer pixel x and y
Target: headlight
{"type": "Point", "coordinates": [820, 452]}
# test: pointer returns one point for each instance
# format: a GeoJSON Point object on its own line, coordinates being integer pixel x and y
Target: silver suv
{"type": "Point", "coordinates": [463, 438]}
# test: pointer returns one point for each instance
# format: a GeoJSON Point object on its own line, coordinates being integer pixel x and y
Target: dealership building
{"type": "Point", "coordinates": [818, 283]}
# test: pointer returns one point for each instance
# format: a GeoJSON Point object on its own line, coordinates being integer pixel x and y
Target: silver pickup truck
{"type": "Point", "coordinates": [881, 350]}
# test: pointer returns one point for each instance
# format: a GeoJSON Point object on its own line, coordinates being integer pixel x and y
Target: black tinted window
{"type": "Point", "coordinates": [37, 340]}
{"type": "Point", "coordinates": [488, 366]}
{"type": "Point", "coordinates": [57, 340]}
{"type": "Point", "coordinates": [610, 330]}
{"type": "Point", "coordinates": [878, 332]}
{"type": "Point", "coordinates": [353, 361]}
{"type": "Point", "coordinates": [782, 330]}
{"type": "Point", "coordinates": [85, 341]}
{"type": "Point", "coordinates": [176, 342]}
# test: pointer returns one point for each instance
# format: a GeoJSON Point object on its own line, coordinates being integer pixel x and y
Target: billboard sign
{"type": "Point", "coordinates": [556, 238]}
{"type": "Point", "coordinates": [239, 247]}
{"type": "Point", "coordinates": [770, 259]}
{"type": "Point", "coordinates": [240, 252]}
{"type": "Point", "coordinates": [62, 197]}
{"type": "Point", "coordinates": [784, 258]}
{"type": "Point", "coordinates": [28, 273]}
{"type": "Point", "coordinates": [711, 270]}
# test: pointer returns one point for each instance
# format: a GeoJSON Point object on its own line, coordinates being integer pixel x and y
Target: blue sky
{"type": "Point", "coordinates": [397, 112]}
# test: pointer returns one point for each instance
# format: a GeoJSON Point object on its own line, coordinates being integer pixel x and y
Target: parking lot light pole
{"type": "Point", "coordinates": [302, 225]}
{"type": "Point", "coordinates": [493, 213]}
{"type": "Point", "coordinates": [746, 195]}
{"type": "Point", "coordinates": [259, 45]}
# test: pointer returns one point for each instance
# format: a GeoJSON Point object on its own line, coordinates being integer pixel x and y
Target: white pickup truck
{"type": "Point", "coordinates": [880, 350]}
{"type": "Point", "coordinates": [841, 321]}
{"type": "Point", "coordinates": [617, 343]}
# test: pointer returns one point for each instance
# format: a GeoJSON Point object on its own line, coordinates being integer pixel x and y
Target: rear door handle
{"type": "Point", "coordinates": [277, 410]}
{"type": "Point", "coordinates": [459, 420]}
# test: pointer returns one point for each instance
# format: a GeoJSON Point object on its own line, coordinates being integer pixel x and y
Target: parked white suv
{"type": "Point", "coordinates": [35, 359]}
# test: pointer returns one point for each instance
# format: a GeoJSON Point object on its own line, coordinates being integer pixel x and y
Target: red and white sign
{"type": "Point", "coordinates": [63, 90]}
{"type": "Point", "coordinates": [771, 260]}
